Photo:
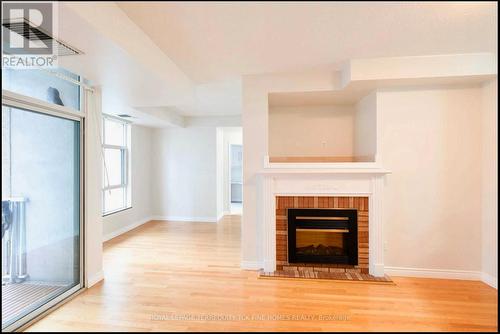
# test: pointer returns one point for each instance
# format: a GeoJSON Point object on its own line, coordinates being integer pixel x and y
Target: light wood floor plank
{"type": "Point", "coordinates": [193, 269]}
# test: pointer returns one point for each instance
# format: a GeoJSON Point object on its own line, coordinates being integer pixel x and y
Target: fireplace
{"type": "Point", "coordinates": [323, 236]}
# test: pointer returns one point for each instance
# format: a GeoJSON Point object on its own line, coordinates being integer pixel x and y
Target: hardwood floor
{"type": "Point", "coordinates": [171, 276]}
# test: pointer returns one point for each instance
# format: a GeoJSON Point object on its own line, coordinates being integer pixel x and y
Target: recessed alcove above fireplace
{"type": "Point", "coordinates": [321, 127]}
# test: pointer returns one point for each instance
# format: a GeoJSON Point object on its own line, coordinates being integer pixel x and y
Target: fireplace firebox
{"type": "Point", "coordinates": [323, 236]}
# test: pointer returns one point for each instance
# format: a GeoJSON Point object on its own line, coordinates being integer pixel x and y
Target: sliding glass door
{"type": "Point", "coordinates": [41, 210]}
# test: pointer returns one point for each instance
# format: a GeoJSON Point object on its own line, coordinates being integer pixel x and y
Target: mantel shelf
{"type": "Point", "coordinates": [322, 168]}
{"type": "Point", "coordinates": [321, 159]}
{"type": "Point", "coordinates": [277, 171]}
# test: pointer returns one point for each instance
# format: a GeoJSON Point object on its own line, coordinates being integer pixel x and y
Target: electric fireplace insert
{"type": "Point", "coordinates": [323, 236]}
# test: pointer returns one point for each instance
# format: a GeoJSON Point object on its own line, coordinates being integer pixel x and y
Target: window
{"type": "Point", "coordinates": [58, 87]}
{"type": "Point", "coordinates": [116, 165]}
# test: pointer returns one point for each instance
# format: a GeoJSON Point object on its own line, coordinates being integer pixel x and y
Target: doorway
{"type": "Point", "coordinates": [229, 141]}
{"type": "Point", "coordinates": [42, 225]}
{"type": "Point", "coordinates": [236, 178]}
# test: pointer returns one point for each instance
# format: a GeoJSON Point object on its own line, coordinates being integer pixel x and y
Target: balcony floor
{"type": "Point", "coordinates": [17, 298]}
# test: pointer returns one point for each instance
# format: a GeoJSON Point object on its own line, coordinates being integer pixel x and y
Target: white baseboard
{"type": "Point", "coordinates": [187, 219]}
{"type": "Point", "coordinates": [490, 280]}
{"type": "Point", "coordinates": [433, 273]}
{"type": "Point", "coordinates": [251, 265]}
{"type": "Point", "coordinates": [94, 279]}
{"type": "Point", "coordinates": [125, 229]}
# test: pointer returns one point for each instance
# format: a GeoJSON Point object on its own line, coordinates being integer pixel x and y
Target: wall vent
{"type": "Point", "coordinates": [25, 28]}
{"type": "Point", "coordinates": [125, 116]}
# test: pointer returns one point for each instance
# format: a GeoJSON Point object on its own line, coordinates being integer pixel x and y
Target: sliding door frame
{"type": "Point", "coordinates": [14, 100]}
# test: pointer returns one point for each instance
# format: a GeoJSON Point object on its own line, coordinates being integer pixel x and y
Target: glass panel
{"type": "Point", "coordinates": [320, 242]}
{"type": "Point", "coordinates": [114, 133]}
{"type": "Point", "coordinates": [40, 210]}
{"type": "Point", "coordinates": [44, 86]}
{"type": "Point", "coordinates": [114, 199]}
{"type": "Point", "coordinates": [113, 168]}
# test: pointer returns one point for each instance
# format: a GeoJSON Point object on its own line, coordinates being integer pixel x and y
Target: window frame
{"type": "Point", "coordinates": [125, 183]}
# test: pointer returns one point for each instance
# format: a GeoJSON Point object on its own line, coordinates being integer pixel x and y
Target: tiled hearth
{"type": "Point", "coordinates": [316, 271]}
{"type": "Point", "coordinates": [357, 272]}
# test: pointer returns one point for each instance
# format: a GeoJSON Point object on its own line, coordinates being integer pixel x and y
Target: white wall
{"type": "Point", "coordinates": [184, 169]}
{"type": "Point", "coordinates": [435, 132]}
{"type": "Point", "coordinates": [431, 141]}
{"type": "Point", "coordinates": [141, 180]}
{"type": "Point", "coordinates": [489, 159]}
{"type": "Point", "coordinates": [365, 127]}
{"type": "Point", "coordinates": [212, 121]}
{"type": "Point", "coordinates": [93, 184]}
{"type": "Point", "coordinates": [311, 131]}
{"type": "Point", "coordinates": [255, 146]}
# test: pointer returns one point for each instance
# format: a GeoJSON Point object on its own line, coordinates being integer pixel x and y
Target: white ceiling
{"type": "Point", "coordinates": [356, 91]}
{"type": "Point", "coordinates": [135, 58]}
{"type": "Point", "coordinates": [130, 82]}
{"type": "Point", "coordinates": [125, 83]}
{"type": "Point", "coordinates": [222, 41]}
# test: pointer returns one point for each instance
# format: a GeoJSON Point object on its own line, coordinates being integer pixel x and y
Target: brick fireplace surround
{"type": "Point", "coordinates": [305, 202]}
{"type": "Point", "coordinates": [358, 272]}
{"type": "Point", "coordinates": [348, 185]}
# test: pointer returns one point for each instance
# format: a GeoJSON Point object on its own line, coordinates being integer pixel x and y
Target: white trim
{"type": "Point", "coordinates": [117, 119]}
{"type": "Point", "coordinates": [268, 209]}
{"type": "Point", "coordinates": [94, 279]}
{"type": "Point", "coordinates": [307, 170]}
{"type": "Point", "coordinates": [117, 186]}
{"type": "Point", "coordinates": [375, 269]}
{"type": "Point", "coordinates": [26, 102]}
{"type": "Point", "coordinates": [229, 168]}
{"type": "Point", "coordinates": [187, 219]}
{"type": "Point", "coordinates": [330, 184]}
{"type": "Point", "coordinates": [376, 227]}
{"type": "Point", "coordinates": [374, 167]}
{"type": "Point", "coordinates": [433, 273]}
{"type": "Point", "coordinates": [125, 229]}
{"type": "Point", "coordinates": [115, 147]}
{"type": "Point", "coordinates": [125, 151]}
{"type": "Point", "coordinates": [220, 216]}
{"type": "Point", "coordinates": [490, 280]}
{"type": "Point", "coordinates": [67, 78]}
{"type": "Point", "coordinates": [251, 265]}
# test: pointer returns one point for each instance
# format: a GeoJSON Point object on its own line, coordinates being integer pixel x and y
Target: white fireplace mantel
{"type": "Point", "coordinates": [339, 179]}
